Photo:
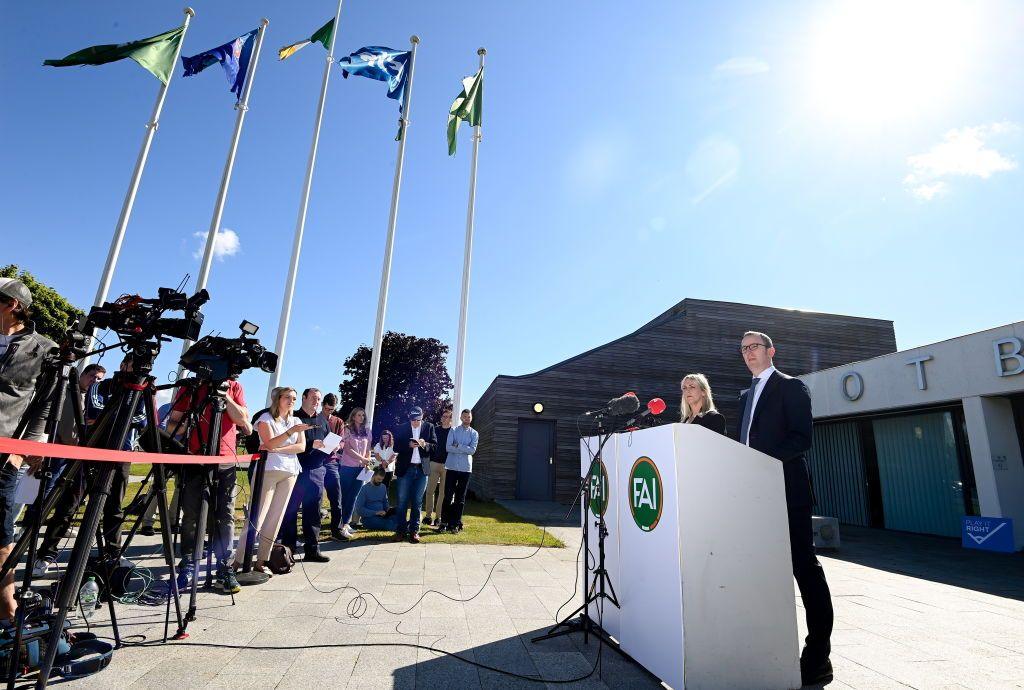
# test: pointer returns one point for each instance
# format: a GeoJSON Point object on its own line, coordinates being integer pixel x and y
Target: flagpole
{"type": "Point", "coordinates": [300, 224]}
{"type": "Point", "coordinates": [467, 261]}
{"type": "Point", "coordinates": [133, 186]}
{"type": "Point", "coordinates": [225, 180]}
{"type": "Point", "coordinates": [389, 244]}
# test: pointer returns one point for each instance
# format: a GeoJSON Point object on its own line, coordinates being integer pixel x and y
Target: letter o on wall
{"type": "Point", "coordinates": [853, 392]}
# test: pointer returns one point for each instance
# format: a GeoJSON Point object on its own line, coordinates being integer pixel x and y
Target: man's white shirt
{"type": "Point", "coordinates": [762, 379]}
{"type": "Point", "coordinates": [416, 451]}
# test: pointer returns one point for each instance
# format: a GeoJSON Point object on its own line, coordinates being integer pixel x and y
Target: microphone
{"type": "Point", "coordinates": [624, 404]}
{"type": "Point", "coordinates": [655, 407]}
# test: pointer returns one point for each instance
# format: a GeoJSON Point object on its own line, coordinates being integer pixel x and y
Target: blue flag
{"type": "Point", "coordinates": [233, 56]}
{"type": "Point", "coordinates": [382, 64]}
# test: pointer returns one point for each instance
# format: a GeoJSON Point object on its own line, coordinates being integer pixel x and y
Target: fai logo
{"type": "Point", "coordinates": [645, 502]}
{"type": "Point", "coordinates": [598, 488]}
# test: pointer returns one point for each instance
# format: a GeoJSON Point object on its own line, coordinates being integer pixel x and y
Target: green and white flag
{"type": "Point", "coordinates": [155, 54]}
{"type": "Point", "coordinates": [468, 106]}
{"type": "Point", "coordinates": [321, 36]}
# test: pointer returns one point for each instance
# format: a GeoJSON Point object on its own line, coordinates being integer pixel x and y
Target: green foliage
{"type": "Point", "coordinates": [51, 312]}
{"type": "Point", "coordinates": [412, 372]}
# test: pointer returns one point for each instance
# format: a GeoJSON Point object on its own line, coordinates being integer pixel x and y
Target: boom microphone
{"type": "Point", "coordinates": [624, 404]}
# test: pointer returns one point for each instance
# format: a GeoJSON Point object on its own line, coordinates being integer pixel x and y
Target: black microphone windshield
{"type": "Point", "coordinates": [625, 404]}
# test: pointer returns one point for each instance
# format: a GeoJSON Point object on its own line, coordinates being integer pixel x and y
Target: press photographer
{"type": "Point", "coordinates": [23, 353]}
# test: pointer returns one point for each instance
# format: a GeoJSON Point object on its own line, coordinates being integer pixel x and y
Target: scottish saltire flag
{"type": "Point", "coordinates": [233, 56]}
{"type": "Point", "coordinates": [382, 64]}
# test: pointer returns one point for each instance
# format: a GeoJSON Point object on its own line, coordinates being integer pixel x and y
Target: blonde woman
{"type": "Point", "coordinates": [699, 405]}
{"type": "Point", "coordinates": [281, 435]}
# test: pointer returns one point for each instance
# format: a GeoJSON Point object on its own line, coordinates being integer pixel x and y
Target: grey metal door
{"type": "Point", "coordinates": [535, 460]}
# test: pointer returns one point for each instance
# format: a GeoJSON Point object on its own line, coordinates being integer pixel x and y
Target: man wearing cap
{"type": "Point", "coordinates": [22, 355]}
{"type": "Point", "coordinates": [415, 443]}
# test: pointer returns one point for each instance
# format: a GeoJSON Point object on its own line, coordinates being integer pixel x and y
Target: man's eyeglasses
{"type": "Point", "coordinates": [752, 347]}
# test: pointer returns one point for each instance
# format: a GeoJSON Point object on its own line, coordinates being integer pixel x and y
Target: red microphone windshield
{"type": "Point", "coordinates": [656, 406]}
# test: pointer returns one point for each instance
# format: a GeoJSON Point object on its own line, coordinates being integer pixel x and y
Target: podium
{"type": "Point", "coordinates": [698, 554]}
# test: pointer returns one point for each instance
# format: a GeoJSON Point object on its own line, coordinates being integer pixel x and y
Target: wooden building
{"type": "Point", "coordinates": [529, 455]}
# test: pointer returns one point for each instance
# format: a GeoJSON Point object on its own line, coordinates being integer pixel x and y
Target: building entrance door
{"type": "Point", "coordinates": [535, 463]}
{"type": "Point", "coordinates": [918, 464]}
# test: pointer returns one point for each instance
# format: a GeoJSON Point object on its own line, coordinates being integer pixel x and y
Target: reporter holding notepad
{"type": "Point", "coordinates": [282, 436]}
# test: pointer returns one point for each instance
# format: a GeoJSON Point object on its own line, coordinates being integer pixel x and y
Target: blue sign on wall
{"type": "Point", "coordinates": [990, 534]}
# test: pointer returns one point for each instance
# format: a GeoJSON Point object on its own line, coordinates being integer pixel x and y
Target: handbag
{"type": "Point", "coordinates": [281, 560]}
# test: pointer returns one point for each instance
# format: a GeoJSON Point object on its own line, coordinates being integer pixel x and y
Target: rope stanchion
{"type": "Point", "coordinates": [57, 450]}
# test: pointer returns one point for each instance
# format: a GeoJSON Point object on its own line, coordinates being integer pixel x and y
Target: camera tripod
{"type": "Point", "coordinates": [205, 398]}
{"type": "Point", "coordinates": [110, 431]}
{"type": "Point", "coordinates": [601, 588]}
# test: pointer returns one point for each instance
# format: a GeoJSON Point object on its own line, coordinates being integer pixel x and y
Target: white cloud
{"type": "Point", "coordinates": [163, 397]}
{"type": "Point", "coordinates": [740, 67]}
{"type": "Point", "coordinates": [226, 244]}
{"type": "Point", "coordinates": [963, 152]}
{"type": "Point", "coordinates": [927, 192]}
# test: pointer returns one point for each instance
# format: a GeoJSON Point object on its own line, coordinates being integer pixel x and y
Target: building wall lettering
{"type": "Point", "coordinates": [857, 390]}
{"type": "Point", "coordinates": [918, 362]}
{"type": "Point", "coordinates": [1009, 361]}
{"type": "Point", "coordinates": [1004, 367]}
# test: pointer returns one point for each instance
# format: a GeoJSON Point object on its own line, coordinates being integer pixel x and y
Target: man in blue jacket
{"type": "Point", "coordinates": [462, 443]}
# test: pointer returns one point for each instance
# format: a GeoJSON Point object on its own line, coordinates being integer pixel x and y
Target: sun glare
{"type": "Point", "coordinates": [874, 62]}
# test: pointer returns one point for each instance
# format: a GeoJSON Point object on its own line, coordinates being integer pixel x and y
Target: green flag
{"type": "Point", "coordinates": [322, 36]}
{"type": "Point", "coordinates": [468, 106]}
{"type": "Point", "coordinates": [155, 54]}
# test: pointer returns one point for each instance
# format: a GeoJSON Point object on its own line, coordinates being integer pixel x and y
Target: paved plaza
{"type": "Point", "coordinates": [911, 611]}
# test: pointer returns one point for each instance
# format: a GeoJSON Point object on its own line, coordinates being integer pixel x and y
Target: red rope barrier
{"type": "Point", "coordinates": [57, 450]}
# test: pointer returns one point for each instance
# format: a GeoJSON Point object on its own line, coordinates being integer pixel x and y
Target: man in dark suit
{"type": "Point", "coordinates": [777, 421]}
{"type": "Point", "coordinates": [414, 443]}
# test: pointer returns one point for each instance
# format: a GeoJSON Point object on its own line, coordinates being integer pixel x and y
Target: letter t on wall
{"type": "Point", "coordinates": [918, 362]}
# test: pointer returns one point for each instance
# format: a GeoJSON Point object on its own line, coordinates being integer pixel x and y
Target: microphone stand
{"type": "Point", "coordinates": [601, 588]}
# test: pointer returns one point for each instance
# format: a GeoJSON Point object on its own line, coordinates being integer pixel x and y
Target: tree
{"type": "Point", "coordinates": [412, 373]}
{"type": "Point", "coordinates": [51, 312]}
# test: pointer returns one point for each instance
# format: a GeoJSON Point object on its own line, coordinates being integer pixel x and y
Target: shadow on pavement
{"type": "Point", "coordinates": [938, 559]}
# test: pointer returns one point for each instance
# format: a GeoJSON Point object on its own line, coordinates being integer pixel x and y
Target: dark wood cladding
{"type": "Point", "coordinates": [693, 336]}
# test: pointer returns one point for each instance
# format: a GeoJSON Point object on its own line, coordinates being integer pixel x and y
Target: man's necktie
{"type": "Point", "coordinates": [747, 409]}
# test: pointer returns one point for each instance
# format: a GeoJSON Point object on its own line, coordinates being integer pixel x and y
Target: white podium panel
{"type": "Point", "coordinates": [602, 488]}
{"type": "Point", "coordinates": [698, 551]}
{"type": "Point", "coordinates": [651, 590]}
{"type": "Point", "coordinates": [739, 606]}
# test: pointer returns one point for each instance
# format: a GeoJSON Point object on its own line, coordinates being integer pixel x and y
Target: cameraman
{"type": "Point", "coordinates": [193, 478]}
{"type": "Point", "coordinates": [60, 520]}
{"type": "Point", "coordinates": [22, 354]}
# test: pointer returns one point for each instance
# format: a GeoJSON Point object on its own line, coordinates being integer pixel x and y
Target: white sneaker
{"type": "Point", "coordinates": [347, 531]}
{"type": "Point", "coordinates": [42, 567]}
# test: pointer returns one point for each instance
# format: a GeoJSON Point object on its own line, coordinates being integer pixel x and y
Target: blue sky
{"type": "Point", "coordinates": [860, 158]}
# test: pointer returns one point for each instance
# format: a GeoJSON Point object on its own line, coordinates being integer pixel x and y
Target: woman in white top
{"type": "Point", "coordinates": [281, 435]}
{"type": "Point", "coordinates": [384, 452]}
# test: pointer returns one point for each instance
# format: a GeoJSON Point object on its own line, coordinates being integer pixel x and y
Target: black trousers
{"type": "Point", "coordinates": [308, 494]}
{"type": "Point", "coordinates": [221, 515]}
{"type": "Point", "coordinates": [59, 524]}
{"type": "Point", "coordinates": [456, 484]}
{"type": "Point", "coordinates": [810, 579]}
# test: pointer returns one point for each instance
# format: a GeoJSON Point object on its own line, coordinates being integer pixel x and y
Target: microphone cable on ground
{"type": "Point", "coordinates": [358, 606]}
